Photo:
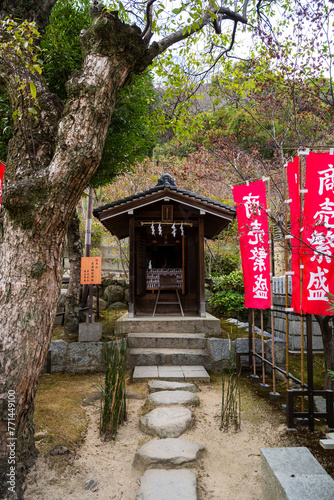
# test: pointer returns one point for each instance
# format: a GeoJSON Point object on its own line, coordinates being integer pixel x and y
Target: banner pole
{"type": "Point", "coordinates": [273, 394]}
{"type": "Point", "coordinates": [286, 277]}
{"type": "Point", "coordinates": [263, 385]}
{"type": "Point", "coordinates": [302, 353]}
{"type": "Point", "coordinates": [254, 376]}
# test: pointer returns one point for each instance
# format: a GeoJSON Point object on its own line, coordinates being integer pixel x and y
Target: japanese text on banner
{"type": "Point", "coordinates": [293, 183]}
{"type": "Point", "coordinates": [318, 233]}
{"type": "Point", "coordinates": [251, 206]}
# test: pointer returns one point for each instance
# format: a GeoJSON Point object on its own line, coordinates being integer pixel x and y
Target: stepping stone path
{"type": "Point", "coordinates": [328, 443]}
{"type": "Point", "coordinates": [167, 398]}
{"type": "Point", "coordinates": [161, 385]}
{"type": "Point", "coordinates": [167, 485]}
{"type": "Point", "coordinates": [166, 422]}
{"type": "Point", "coordinates": [168, 451]}
{"type": "Point", "coordinates": [169, 423]}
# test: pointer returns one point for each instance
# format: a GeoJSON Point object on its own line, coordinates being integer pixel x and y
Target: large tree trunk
{"type": "Point", "coordinates": [49, 164]}
{"type": "Point", "coordinates": [32, 271]}
{"type": "Point", "coordinates": [39, 199]}
{"type": "Point", "coordinates": [72, 301]}
{"type": "Point", "coordinates": [328, 341]}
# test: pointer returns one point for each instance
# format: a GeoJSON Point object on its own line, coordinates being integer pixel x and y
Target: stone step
{"type": "Point", "coordinates": [328, 444]}
{"type": "Point", "coordinates": [169, 398]}
{"type": "Point", "coordinates": [164, 356]}
{"type": "Point", "coordinates": [165, 324]}
{"type": "Point", "coordinates": [163, 385]}
{"type": "Point", "coordinates": [167, 485]}
{"type": "Point", "coordinates": [177, 373]}
{"type": "Point", "coordinates": [169, 451]}
{"type": "Point", "coordinates": [166, 422]}
{"type": "Point", "coordinates": [167, 340]}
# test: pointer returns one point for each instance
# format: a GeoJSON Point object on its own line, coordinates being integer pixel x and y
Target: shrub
{"type": "Point", "coordinates": [228, 294]}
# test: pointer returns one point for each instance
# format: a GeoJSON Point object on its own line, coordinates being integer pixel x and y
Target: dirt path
{"type": "Point", "coordinates": [228, 470]}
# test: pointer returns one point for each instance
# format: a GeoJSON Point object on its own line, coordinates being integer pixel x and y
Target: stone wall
{"type": "Point", "coordinates": [76, 357]}
{"type": "Point", "coordinates": [221, 351]}
{"type": "Point", "coordinates": [294, 319]}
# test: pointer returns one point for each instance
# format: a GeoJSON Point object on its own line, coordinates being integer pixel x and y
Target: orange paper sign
{"type": "Point", "coordinates": [90, 270]}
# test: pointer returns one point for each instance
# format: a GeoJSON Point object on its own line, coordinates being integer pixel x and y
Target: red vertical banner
{"type": "Point", "coordinates": [2, 171]}
{"type": "Point", "coordinates": [251, 207]}
{"type": "Point", "coordinates": [293, 183]}
{"type": "Point", "coordinates": [318, 233]}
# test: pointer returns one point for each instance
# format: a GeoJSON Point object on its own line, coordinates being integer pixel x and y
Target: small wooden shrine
{"type": "Point", "coordinates": [166, 227]}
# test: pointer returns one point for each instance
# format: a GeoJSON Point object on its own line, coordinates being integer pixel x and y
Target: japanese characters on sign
{"type": "Point", "coordinates": [251, 206]}
{"type": "Point", "coordinates": [90, 270]}
{"type": "Point", "coordinates": [2, 171]}
{"type": "Point", "coordinates": [293, 183]}
{"type": "Point", "coordinates": [318, 233]}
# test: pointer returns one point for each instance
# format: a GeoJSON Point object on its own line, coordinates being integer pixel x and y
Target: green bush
{"type": "Point", "coordinates": [222, 264]}
{"type": "Point", "coordinates": [228, 295]}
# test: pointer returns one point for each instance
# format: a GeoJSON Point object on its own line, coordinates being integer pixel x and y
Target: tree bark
{"type": "Point", "coordinates": [49, 164]}
{"type": "Point", "coordinates": [328, 342]}
{"type": "Point", "coordinates": [72, 301]}
{"type": "Point", "coordinates": [39, 198]}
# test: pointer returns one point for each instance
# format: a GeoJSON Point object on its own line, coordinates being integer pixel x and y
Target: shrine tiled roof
{"type": "Point", "coordinates": [165, 181]}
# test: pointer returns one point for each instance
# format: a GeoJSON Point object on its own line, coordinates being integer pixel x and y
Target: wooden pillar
{"type": "Point", "coordinates": [132, 265]}
{"type": "Point", "coordinates": [201, 266]}
{"type": "Point", "coordinates": [310, 372]}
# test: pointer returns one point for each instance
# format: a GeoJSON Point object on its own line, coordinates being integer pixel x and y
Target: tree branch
{"type": "Point", "coordinates": [147, 32]}
{"type": "Point", "coordinates": [183, 33]}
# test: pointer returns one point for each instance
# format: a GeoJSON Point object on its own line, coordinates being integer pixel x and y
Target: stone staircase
{"type": "Point", "coordinates": [168, 347]}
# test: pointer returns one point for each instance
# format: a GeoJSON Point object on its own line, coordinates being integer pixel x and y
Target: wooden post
{"type": "Point", "coordinates": [201, 274]}
{"type": "Point", "coordinates": [310, 372]}
{"type": "Point", "coordinates": [88, 241]}
{"type": "Point", "coordinates": [132, 266]}
{"type": "Point", "coordinates": [273, 394]}
{"type": "Point", "coordinates": [254, 349]}
{"type": "Point", "coordinates": [250, 339]}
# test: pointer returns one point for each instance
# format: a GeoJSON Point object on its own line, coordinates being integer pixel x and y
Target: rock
{"type": "Point", "coordinates": [166, 422]}
{"type": "Point", "coordinates": [167, 484]}
{"type": "Point", "coordinates": [107, 282]}
{"type": "Point", "coordinates": [117, 306]}
{"type": "Point", "coordinates": [168, 451]}
{"type": "Point", "coordinates": [92, 398]}
{"type": "Point", "coordinates": [123, 283]}
{"type": "Point", "coordinates": [62, 298]}
{"type": "Point", "coordinates": [90, 332]}
{"type": "Point", "coordinates": [102, 304]}
{"type": "Point", "coordinates": [126, 295]}
{"type": "Point", "coordinates": [113, 293]}
{"type": "Point", "coordinates": [90, 484]}
{"type": "Point", "coordinates": [165, 398]}
{"type": "Point", "coordinates": [133, 395]}
{"type": "Point", "coordinates": [162, 385]}
{"type": "Point", "coordinates": [59, 450]}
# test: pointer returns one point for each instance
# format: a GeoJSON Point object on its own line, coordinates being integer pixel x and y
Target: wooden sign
{"type": "Point", "coordinates": [90, 270]}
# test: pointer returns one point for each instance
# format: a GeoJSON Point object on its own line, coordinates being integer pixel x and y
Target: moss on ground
{"type": "Point", "coordinates": [231, 331]}
{"type": "Point", "coordinates": [59, 418]}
